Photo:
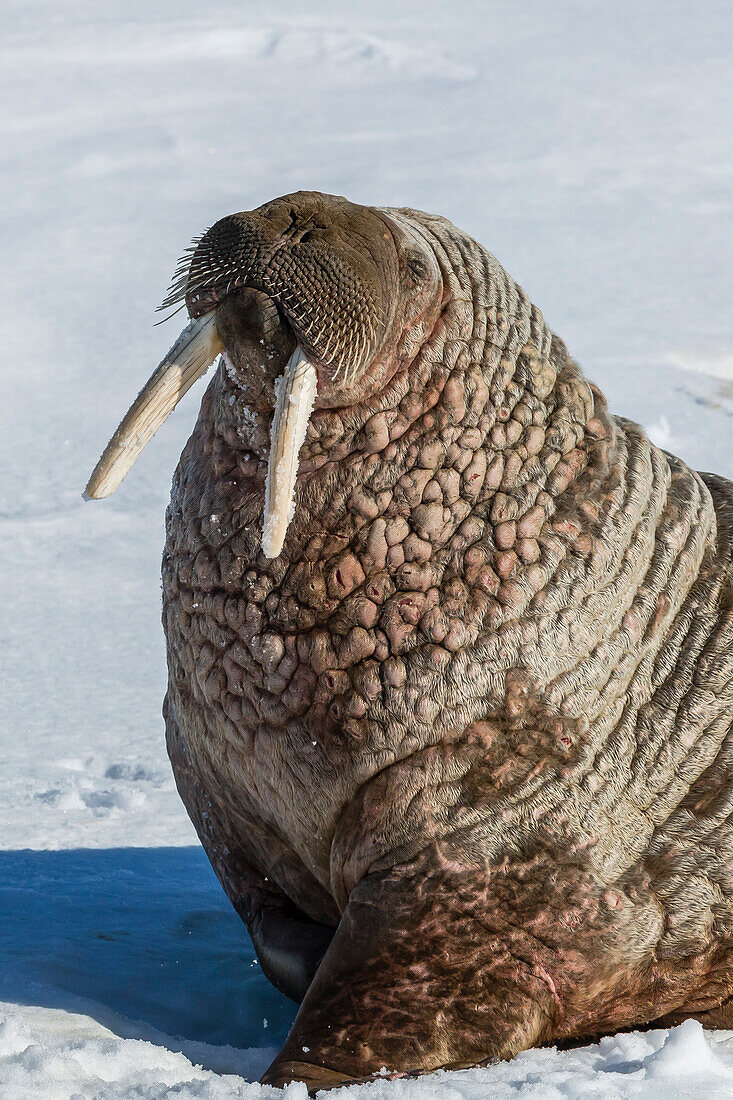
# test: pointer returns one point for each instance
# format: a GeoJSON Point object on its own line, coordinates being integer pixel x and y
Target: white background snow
{"type": "Point", "coordinates": [587, 144]}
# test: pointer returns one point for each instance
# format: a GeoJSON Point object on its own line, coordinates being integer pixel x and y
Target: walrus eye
{"type": "Point", "coordinates": [295, 394]}
{"type": "Point", "coordinates": [191, 356]}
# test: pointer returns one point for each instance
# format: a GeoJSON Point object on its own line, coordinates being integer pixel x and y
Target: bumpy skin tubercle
{"type": "Point", "coordinates": [473, 722]}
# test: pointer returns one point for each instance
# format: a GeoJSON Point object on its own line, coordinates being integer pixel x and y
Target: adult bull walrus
{"type": "Point", "coordinates": [450, 652]}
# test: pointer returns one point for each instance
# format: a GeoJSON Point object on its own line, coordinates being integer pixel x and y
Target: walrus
{"type": "Point", "coordinates": [450, 652]}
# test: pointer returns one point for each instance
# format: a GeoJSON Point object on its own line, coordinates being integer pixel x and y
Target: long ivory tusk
{"type": "Point", "coordinates": [296, 392]}
{"type": "Point", "coordinates": [192, 354]}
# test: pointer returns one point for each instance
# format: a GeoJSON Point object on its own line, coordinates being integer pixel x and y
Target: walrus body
{"type": "Point", "coordinates": [476, 716]}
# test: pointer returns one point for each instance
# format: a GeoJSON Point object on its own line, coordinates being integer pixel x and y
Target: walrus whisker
{"type": "Point", "coordinates": [192, 354]}
{"type": "Point", "coordinates": [184, 270]}
{"type": "Point", "coordinates": [163, 320]}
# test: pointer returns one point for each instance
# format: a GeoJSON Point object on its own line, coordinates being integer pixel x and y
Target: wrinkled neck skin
{"type": "Point", "coordinates": [487, 386]}
{"type": "Point", "coordinates": [483, 565]}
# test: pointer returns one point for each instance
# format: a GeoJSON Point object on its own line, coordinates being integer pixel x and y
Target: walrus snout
{"type": "Point", "coordinates": [315, 300]}
{"type": "Point", "coordinates": [330, 267]}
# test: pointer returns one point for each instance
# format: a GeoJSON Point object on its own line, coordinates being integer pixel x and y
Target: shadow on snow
{"type": "Point", "coordinates": [148, 937]}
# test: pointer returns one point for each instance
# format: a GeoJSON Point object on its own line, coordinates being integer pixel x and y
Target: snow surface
{"type": "Point", "coordinates": [588, 144]}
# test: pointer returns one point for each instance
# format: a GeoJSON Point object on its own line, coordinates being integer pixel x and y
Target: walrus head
{"type": "Point", "coordinates": [315, 303]}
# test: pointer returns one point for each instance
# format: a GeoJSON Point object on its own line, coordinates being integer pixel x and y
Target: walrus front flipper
{"type": "Point", "coordinates": [289, 948]}
{"type": "Point", "coordinates": [415, 979]}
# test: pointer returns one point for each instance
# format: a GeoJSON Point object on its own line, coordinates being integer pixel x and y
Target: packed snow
{"type": "Point", "coordinates": [587, 144]}
{"type": "Point", "coordinates": [71, 1055]}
